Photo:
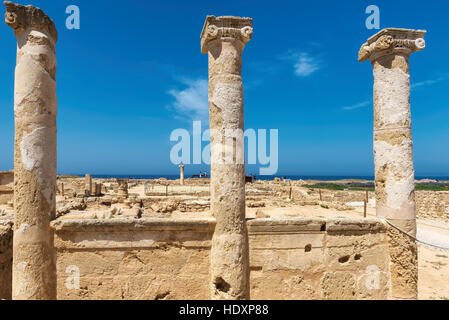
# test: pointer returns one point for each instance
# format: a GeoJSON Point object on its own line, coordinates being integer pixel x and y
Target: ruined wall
{"type": "Point", "coordinates": [6, 186]}
{"type": "Point", "coordinates": [133, 259]}
{"type": "Point", "coordinates": [432, 204]}
{"type": "Point", "coordinates": [169, 259]}
{"type": "Point", "coordinates": [297, 259]}
{"type": "Point", "coordinates": [341, 197]}
{"type": "Point", "coordinates": [6, 194]}
{"type": "Point", "coordinates": [5, 259]}
{"type": "Point", "coordinates": [6, 177]}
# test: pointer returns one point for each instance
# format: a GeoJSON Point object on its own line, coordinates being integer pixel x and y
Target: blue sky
{"type": "Point", "coordinates": [134, 72]}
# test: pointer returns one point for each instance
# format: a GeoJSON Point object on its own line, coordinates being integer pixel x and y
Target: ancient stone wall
{"type": "Point", "coordinates": [6, 177]}
{"type": "Point", "coordinates": [6, 194]}
{"type": "Point", "coordinates": [6, 186]}
{"type": "Point", "coordinates": [134, 259]}
{"type": "Point", "coordinates": [5, 259]}
{"type": "Point", "coordinates": [432, 204]}
{"type": "Point", "coordinates": [297, 259]}
{"type": "Point", "coordinates": [169, 259]}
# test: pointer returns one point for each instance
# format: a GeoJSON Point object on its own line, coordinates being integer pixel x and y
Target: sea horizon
{"type": "Point", "coordinates": [289, 177]}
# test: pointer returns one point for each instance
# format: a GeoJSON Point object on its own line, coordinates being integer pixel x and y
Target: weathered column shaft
{"type": "Point", "coordinates": [224, 39]}
{"type": "Point", "coordinates": [35, 109]}
{"type": "Point", "coordinates": [181, 175]}
{"type": "Point", "coordinates": [389, 52]}
{"type": "Point", "coordinates": [88, 185]}
{"type": "Point", "coordinates": [97, 189]}
{"type": "Point", "coordinates": [122, 191]}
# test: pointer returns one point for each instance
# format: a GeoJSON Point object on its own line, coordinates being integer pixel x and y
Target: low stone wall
{"type": "Point", "coordinates": [133, 259]}
{"type": "Point", "coordinates": [5, 259]}
{"type": "Point", "coordinates": [6, 177]}
{"type": "Point", "coordinates": [169, 259]}
{"type": "Point", "coordinates": [432, 204]}
{"type": "Point", "coordinates": [6, 194]}
{"type": "Point", "coordinates": [319, 259]}
{"type": "Point", "coordinates": [6, 186]}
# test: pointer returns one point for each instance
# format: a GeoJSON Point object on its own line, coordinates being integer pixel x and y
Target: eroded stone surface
{"type": "Point", "coordinates": [181, 174]}
{"type": "Point", "coordinates": [170, 258]}
{"type": "Point", "coordinates": [224, 39]}
{"type": "Point", "coordinates": [122, 191]}
{"type": "Point", "coordinates": [35, 109]}
{"type": "Point", "coordinates": [6, 236]}
{"type": "Point", "coordinates": [389, 52]}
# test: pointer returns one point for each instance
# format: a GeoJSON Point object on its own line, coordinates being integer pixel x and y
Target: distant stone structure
{"type": "Point", "coordinates": [35, 108]}
{"type": "Point", "coordinates": [97, 189]}
{"type": "Point", "coordinates": [88, 185]}
{"type": "Point", "coordinates": [6, 236]}
{"type": "Point", "coordinates": [181, 174]}
{"type": "Point", "coordinates": [223, 39]}
{"type": "Point", "coordinates": [432, 204]}
{"type": "Point", "coordinates": [122, 191]}
{"type": "Point", "coordinates": [6, 186]}
{"type": "Point", "coordinates": [6, 177]}
{"type": "Point", "coordinates": [389, 52]}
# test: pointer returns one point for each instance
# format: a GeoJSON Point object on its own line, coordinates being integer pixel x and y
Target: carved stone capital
{"type": "Point", "coordinates": [226, 28]}
{"type": "Point", "coordinates": [392, 41]}
{"type": "Point", "coordinates": [21, 18]}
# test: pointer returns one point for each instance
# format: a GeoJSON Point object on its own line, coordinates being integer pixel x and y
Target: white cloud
{"type": "Point", "coordinates": [306, 64]}
{"type": "Point", "coordinates": [192, 102]}
{"type": "Point", "coordinates": [357, 106]}
{"type": "Point", "coordinates": [429, 82]}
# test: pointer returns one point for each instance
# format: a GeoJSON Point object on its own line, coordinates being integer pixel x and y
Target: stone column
{"type": "Point", "coordinates": [122, 191]}
{"type": "Point", "coordinates": [181, 175]}
{"type": "Point", "coordinates": [35, 110]}
{"type": "Point", "coordinates": [224, 39]}
{"type": "Point", "coordinates": [98, 189]}
{"type": "Point", "coordinates": [389, 52]}
{"type": "Point", "coordinates": [88, 185]}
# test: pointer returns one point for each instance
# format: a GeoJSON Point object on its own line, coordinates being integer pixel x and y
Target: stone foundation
{"type": "Point", "coordinates": [6, 186]}
{"type": "Point", "coordinates": [6, 177]}
{"type": "Point", "coordinates": [5, 259]}
{"type": "Point", "coordinates": [169, 259]}
{"type": "Point", "coordinates": [6, 194]}
{"type": "Point", "coordinates": [432, 204]}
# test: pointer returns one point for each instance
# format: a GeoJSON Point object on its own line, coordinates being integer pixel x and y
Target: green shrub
{"type": "Point", "coordinates": [432, 187]}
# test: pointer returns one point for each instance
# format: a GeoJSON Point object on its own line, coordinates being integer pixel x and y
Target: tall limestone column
{"type": "Point", "coordinates": [224, 39]}
{"type": "Point", "coordinates": [181, 174]}
{"type": "Point", "coordinates": [88, 185]}
{"type": "Point", "coordinates": [35, 109]}
{"type": "Point", "coordinates": [389, 52]}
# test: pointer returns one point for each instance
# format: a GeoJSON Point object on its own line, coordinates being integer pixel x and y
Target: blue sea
{"type": "Point", "coordinates": [289, 177]}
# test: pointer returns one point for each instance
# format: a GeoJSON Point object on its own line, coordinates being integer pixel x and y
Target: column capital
{"type": "Point", "coordinates": [21, 18]}
{"type": "Point", "coordinates": [226, 28]}
{"type": "Point", "coordinates": [392, 41]}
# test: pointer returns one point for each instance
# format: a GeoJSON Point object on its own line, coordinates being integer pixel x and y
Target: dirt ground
{"type": "Point", "coordinates": [433, 274]}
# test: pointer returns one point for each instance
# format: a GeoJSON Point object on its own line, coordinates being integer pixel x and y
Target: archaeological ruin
{"type": "Point", "coordinates": [389, 52]}
{"type": "Point", "coordinates": [68, 237]}
{"type": "Point", "coordinates": [35, 109]}
{"type": "Point", "coordinates": [224, 39]}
